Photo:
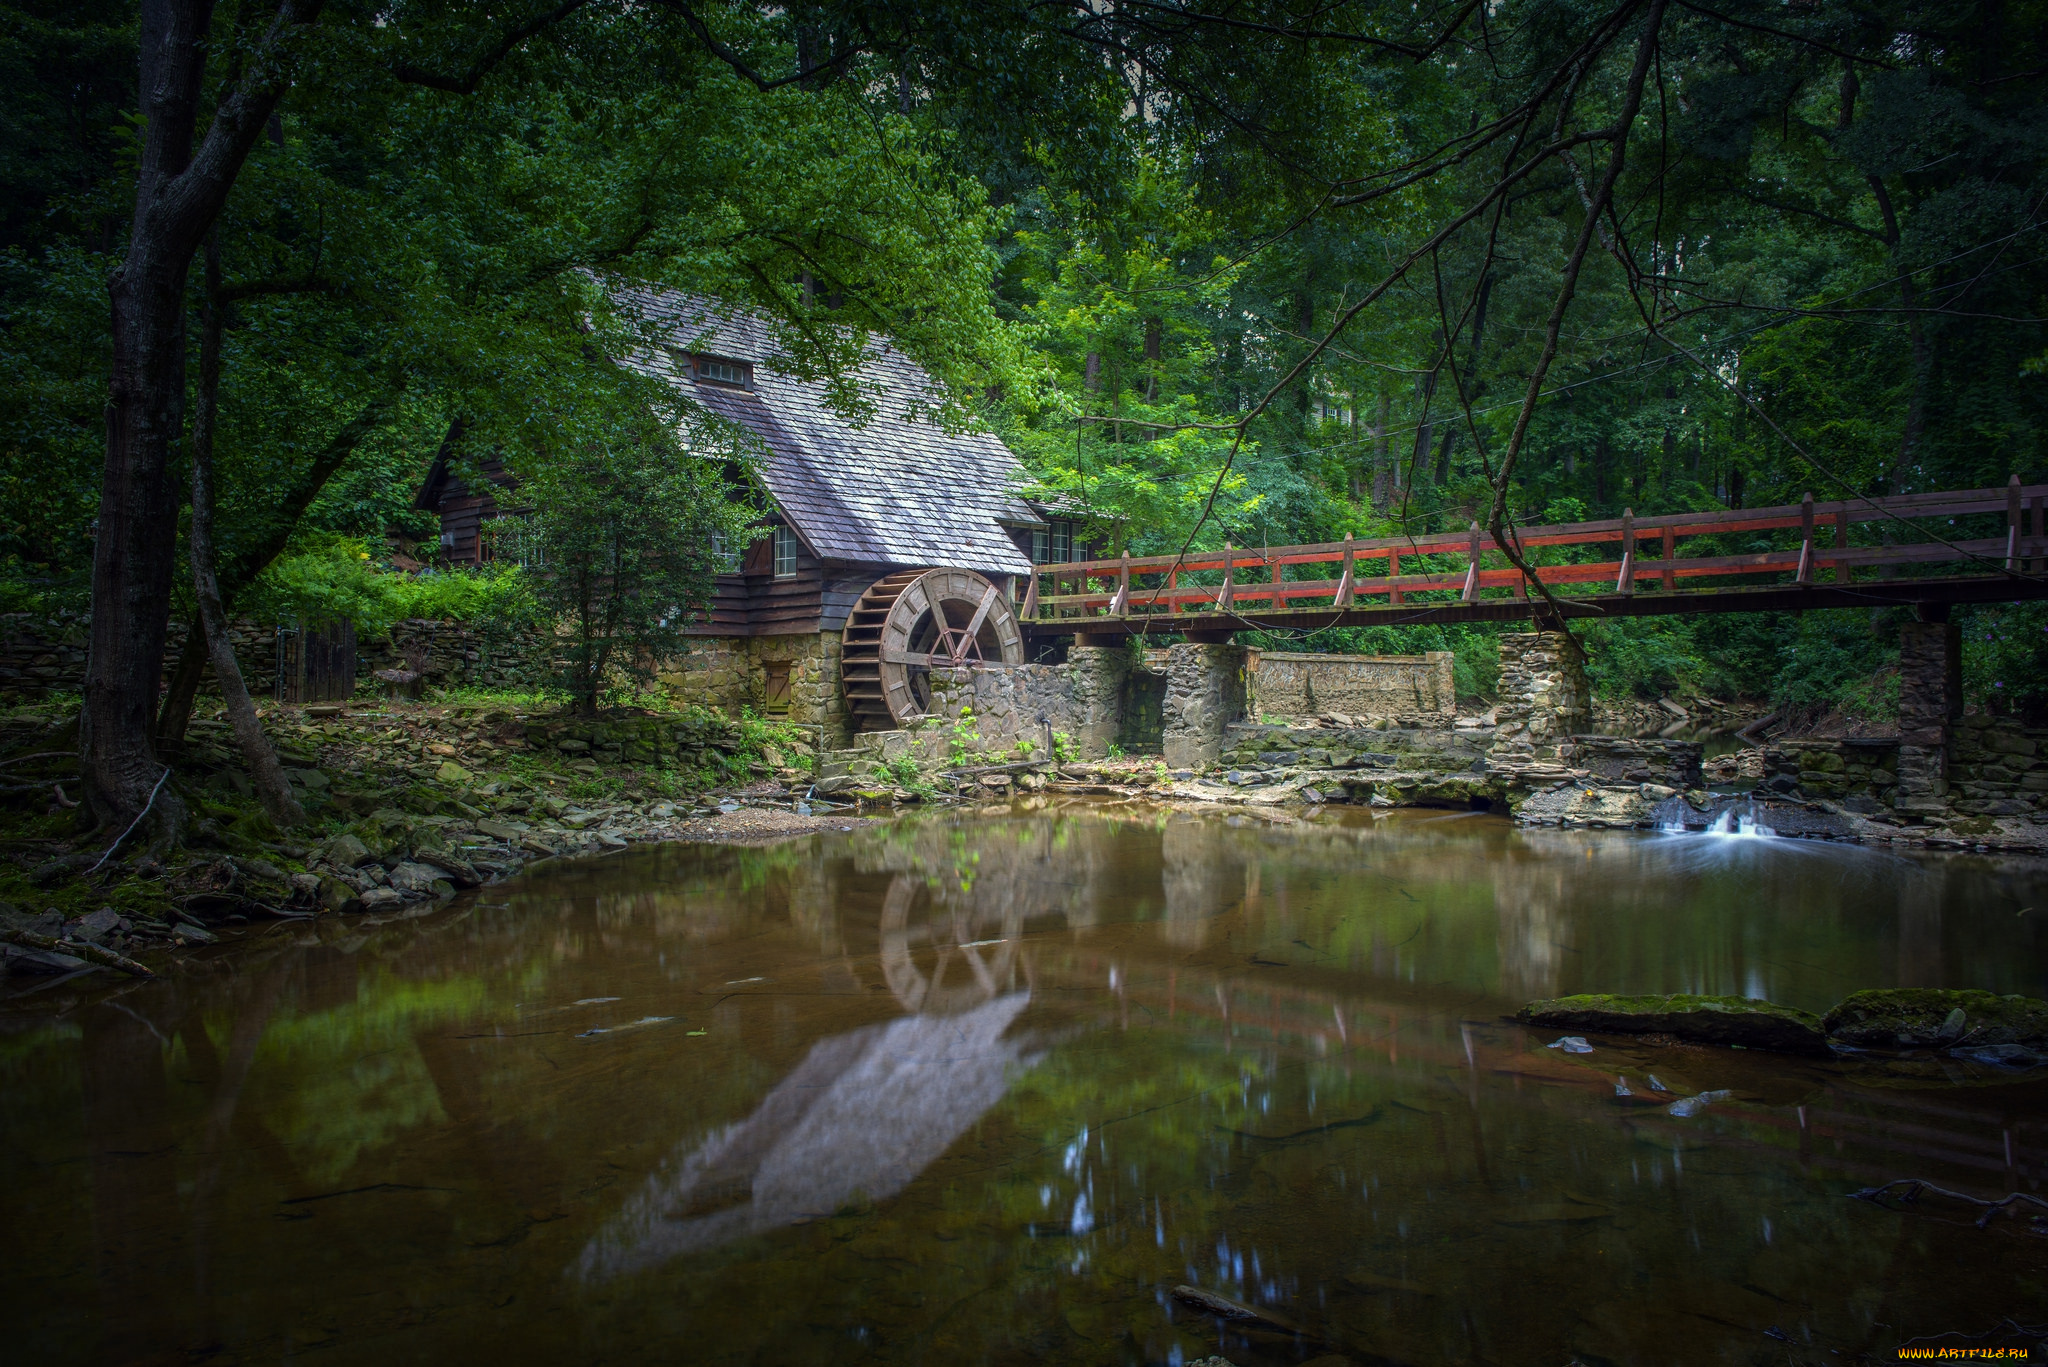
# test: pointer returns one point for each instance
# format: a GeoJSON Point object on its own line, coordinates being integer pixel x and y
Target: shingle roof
{"type": "Point", "coordinates": [898, 490]}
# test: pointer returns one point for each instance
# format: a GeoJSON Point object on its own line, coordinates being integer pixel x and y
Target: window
{"type": "Point", "coordinates": [785, 553]}
{"type": "Point", "coordinates": [1053, 544]}
{"type": "Point", "coordinates": [514, 537]}
{"type": "Point", "coordinates": [719, 370]}
{"type": "Point", "coordinates": [725, 558]}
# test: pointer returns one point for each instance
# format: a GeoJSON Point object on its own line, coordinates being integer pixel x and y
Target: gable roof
{"type": "Point", "coordinates": [896, 491]}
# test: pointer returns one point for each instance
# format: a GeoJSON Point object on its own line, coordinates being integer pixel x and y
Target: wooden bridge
{"type": "Point", "coordinates": [1925, 550]}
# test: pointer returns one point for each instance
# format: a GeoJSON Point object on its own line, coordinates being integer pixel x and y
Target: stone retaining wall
{"type": "Point", "coordinates": [1083, 698]}
{"type": "Point", "coordinates": [1409, 688]}
{"type": "Point", "coordinates": [452, 653]}
{"type": "Point", "coordinates": [1993, 766]}
{"type": "Point", "coordinates": [1673, 763]}
{"type": "Point", "coordinates": [46, 655]}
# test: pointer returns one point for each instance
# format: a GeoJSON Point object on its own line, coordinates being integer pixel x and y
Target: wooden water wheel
{"type": "Point", "coordinates": [906, 625]}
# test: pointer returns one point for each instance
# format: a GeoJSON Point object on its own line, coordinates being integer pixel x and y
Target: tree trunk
{"type": "Point", "coordinates": [176, 713]}
{"type": "Point", "coordinates": [178, 194]}
{"type": "Point", "coordinates": [264, 770]}
{"type": "Point", "coordinates": [242, 568]}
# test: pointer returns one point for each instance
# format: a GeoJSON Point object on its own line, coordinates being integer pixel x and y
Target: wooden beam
{"type": "Point", "coordinates": [1805, 573]}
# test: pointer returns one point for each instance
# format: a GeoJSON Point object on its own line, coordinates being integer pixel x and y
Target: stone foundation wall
{"type": "Point", "coordinates": [711, 672]}
{"type": "Point", "coordinates": [1543, 693]}
{"type": "Point", "coordinates": [1411, 688]}
{"type": "Point", "coordinates": [1084, 698]}
{"type": "Point", "coordinates": [727, 673]}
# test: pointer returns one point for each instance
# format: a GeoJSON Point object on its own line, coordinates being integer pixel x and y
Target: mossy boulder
{"type": "Point", "coordinates": [1920, 1017]}
{"type": "Point", "coordinates": [1748, 1021]}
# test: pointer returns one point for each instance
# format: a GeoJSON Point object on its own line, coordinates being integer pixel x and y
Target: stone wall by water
{"type": "Point", "coordinates": [1992, 766]}
{"type": "Point", "coordinates": [1673, 763]}
{"type": "Point", "coordinates": [1408, 688]}
{"type": "Point", "coordinates": [1205, 693]}
{"type": "Point", "coordinates": [1543, 692]}
{"type": "Point", "coordinates": [1083, 698]}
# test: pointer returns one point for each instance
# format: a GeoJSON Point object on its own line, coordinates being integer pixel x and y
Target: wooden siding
{"type": "Point", "coordinates": [463, 513]}
{"type": "Point", "coordinates": [816, 598]}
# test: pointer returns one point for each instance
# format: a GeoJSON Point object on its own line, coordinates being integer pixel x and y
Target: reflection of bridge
{"type": "Point", "coordinates": [1987, 544]}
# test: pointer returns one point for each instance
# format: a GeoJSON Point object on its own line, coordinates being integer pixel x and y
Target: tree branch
{"type": "Point", "coordinates": [468, 81]}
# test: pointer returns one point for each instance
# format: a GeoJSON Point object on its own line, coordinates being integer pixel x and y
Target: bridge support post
{"type": "Point", "coordinates": [1543, 694]}
{"type": "Point", "coordinates": [1205, 692]}
{"type": "Point", "coordinates": [1930, 702]}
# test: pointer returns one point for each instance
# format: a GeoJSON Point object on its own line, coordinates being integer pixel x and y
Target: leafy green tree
{"type": "Point", "coordinates": [631, 527]}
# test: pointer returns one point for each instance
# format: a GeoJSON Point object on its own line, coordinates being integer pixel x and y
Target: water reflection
{"type": "Point", "coordinates": [984, 1089]}
{"type": "Point", "coordinates": [861, 1116]}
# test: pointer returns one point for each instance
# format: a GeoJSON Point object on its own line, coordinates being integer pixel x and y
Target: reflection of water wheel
{"type": "Point", "coordinates": [950, 939]}
{"type": "Point", "coordinates": [910, 622]}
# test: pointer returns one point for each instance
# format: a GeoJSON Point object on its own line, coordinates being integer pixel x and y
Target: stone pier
{"type": "Point", "coordinates": [1543, 693]}
{"type": "Point", "coordinates": [1930, 703]}
{"type": "Point", "coordinates": [1205, 692]}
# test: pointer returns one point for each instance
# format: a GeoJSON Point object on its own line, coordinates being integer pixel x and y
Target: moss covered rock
{"type": "Point", "coordinates": [1747, 1021]}
{"type": "Point", "coordinates": [1920, 1017]}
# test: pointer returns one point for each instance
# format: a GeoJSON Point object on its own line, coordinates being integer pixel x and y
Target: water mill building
{"type": "Point", "coordinates": [894, 545]}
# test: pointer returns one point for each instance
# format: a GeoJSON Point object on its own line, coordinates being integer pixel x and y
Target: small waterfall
{"type": "Point", "coordinates": [1738, 819]}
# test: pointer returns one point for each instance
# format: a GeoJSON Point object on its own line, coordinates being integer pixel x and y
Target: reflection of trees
{"type": "Point", "coordinates": [859, 1118]}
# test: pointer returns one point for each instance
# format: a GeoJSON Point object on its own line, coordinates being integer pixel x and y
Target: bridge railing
{"type": "Point", "coordinates": [1649, 558]}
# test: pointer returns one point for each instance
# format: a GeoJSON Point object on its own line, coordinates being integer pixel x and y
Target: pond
{"type": "Point", "coordinates": [986, 1087]}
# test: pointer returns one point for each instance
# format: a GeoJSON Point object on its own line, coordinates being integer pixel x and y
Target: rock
{"type": "Point", "coordinates": [441, 748]}
{"type": "Point", "coordinates": [382, 899]}
{"type": "Point", "coordinates": [98, 926]}
{"type": "Point", "coordinates": [458, 869]}
{"type": "Point", "coordinates": [577, 821]}
{"type": "Point", "coordinates": [572, 746]}
{"type": "Point", "coordinates": [1693, 1105]}
{"type": "Point", "coordinates": [1747, 1021]}
{"type": "Point", "coordinates": [772, 757]}
{"type": "Point", "coordinates": [2001, 1055]}
{"type": "Point", "coordinates": [451, 772]}
{"type": "Point", "coordinates": [415, 878]}
{"type": "Point", "coordinates": [502, 831]}
{"type": "Point", "coordinates": [306, 884]}
{"type": "Point", "coordinates": [1912, 1017]}
{"type": "Point", "coordinates": [336, 895]}
{"type": "Point", "coordinates": [1571, 1044]}
{"type": "Point", "coordinates": [198, 935]}
{"type": "Point", "coordinates": [346, 851]}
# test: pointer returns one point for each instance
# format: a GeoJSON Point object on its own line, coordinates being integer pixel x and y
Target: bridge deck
{"type": "Point", "coordinates": [1933, 551]}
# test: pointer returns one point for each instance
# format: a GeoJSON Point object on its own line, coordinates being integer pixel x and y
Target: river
{"type": "Point", "coordinates": [985, 1087]}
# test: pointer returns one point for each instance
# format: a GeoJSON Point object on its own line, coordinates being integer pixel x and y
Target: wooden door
{"type": "Point", "coordinates": [776, 703]}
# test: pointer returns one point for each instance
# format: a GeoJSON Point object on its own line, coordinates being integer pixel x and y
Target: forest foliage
{"type": "Point", "coordinates": [1269, 273]}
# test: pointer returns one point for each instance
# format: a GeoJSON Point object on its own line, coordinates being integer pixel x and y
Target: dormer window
{"type": "Point", "coordinates": [721, 371]}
